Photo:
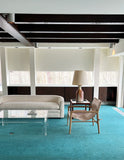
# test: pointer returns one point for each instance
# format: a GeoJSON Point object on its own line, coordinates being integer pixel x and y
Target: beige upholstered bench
{"type": "Point", "coordinates": [53, 103]}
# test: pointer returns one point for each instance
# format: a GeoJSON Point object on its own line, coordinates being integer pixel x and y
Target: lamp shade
{"type": "Point", "coordinates": [79, 77]}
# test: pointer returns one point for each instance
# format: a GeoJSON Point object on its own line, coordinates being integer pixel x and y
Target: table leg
{"type": "Point", "coordinates": [45, 126]}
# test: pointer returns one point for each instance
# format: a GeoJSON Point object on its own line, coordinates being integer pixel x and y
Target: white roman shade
{"type": "Point", "coordinates": [18, 59]}
{"type": "Point", "coordinates": [109, 66]}
{"type": "Point", "coordinates": [64, 59]}
{"type": "Point", "coordinates": [108, 63]}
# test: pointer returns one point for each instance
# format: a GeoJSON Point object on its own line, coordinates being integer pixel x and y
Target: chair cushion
{"type": "Point", "coordinates": [29, 105]}
{"type": "Point", "coordinates": [83, 116]}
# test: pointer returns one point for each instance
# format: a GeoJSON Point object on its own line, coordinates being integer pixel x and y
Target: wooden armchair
{"type": "Point", "coordinates": [91, 115]}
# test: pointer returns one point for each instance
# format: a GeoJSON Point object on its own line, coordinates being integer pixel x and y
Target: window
{"type": "Point", "coordinates": [108, 78]}
{"type": "Point", "coordinates": [18, 63]}
{"type": "Point", "coordinates": [59, 78]}
{"type": "Point", "coordinates": [19, 78]}
{"type": "Point", "coordinates": [109, 67]}
{"type": "Point", "coordinates": [54, 78]}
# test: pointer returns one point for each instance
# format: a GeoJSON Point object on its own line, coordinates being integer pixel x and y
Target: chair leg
{"type": "Point", "coordinates": [93, 121]}
{"type": "Point", "coordinates": [70, 123]}
{"type": "Point", "coordinates": [67, 118]}
{"type": "Point", "coordinates": [98, 123]}
{"type": "Point", "coordinates": [98, 127]}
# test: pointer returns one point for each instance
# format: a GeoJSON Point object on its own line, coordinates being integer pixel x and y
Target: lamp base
{"type": "Point", "coordinates": [79, 94]}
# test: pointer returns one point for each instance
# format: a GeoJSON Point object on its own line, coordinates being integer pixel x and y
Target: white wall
{"type": "Point", "coordinates": [63, 6]}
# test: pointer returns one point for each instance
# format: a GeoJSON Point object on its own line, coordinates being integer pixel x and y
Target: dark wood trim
{"type": "Point", "coordinates": [50, 91]}
{"type": "Point", "coordinates": [12, 90]}
{"type": "Point", "coordinates": [67, 92]}
{"type": "Point", "coordinates": [103, 94]}
{"type": "Point", "coordinates": [106, 94]}
{"type": "Point", "coordinates": [70, 93]}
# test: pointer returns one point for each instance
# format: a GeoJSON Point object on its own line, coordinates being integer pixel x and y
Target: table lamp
{"type": "Point", "coordinates": [79, 79]}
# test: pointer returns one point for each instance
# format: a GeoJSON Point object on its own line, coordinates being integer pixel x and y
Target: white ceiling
{"type": "Point", "coordinates": [63, 6]}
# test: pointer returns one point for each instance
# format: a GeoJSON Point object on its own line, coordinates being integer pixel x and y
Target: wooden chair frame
{"type": "Point", "coordinates": [71, 110]}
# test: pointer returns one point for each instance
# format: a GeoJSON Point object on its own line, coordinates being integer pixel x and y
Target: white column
{"type": "Point", "coordinates": [4, 70]}
{"type": "Point", "coordinates": [96, 72]}
{"type": "Point", "coordinates": [120, 83]}
{"type": "Point", "coordinates": [32, 70]}
{"type": "Point", "coordinates": [122, 91]}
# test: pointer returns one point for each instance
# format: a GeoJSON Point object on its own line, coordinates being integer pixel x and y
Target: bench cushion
{"type": "Point", "coordinates": [29, 105]}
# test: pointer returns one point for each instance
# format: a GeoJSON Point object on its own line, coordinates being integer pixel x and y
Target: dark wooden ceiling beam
{"type": "Point", "coordinates": [101, 18]}
{"type": "Point", "coordinates": [42, 37]}
{"type": "Point", "coordinates": [65, 40]}
{"type": "Point", "coordinates": [13, 32]}
{"type": "Point", "coordinates": [75, 40]}
{"type": "Point", "coordinates": [86, 28]}
{"type": "Point", "coordinates": [8, 40]}
{"type": "Point", "coordinates": [71, 28]}
{"type": "Point", "coordinates": [73, 35]}
{"type": "Point", "coordinates": [5, 35]}
{"type": "Point", "coordinates": [67, 35]}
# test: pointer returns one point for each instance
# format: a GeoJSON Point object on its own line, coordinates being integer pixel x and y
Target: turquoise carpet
{"type": "Point", "coordinates": [26, 141]}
